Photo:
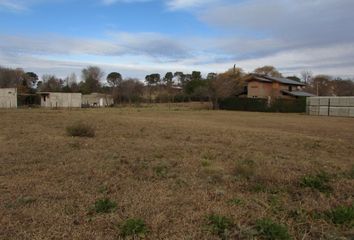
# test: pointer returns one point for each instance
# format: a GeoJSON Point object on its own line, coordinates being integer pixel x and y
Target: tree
{"type": "Point", "coordinates": [268, 70]}
{"type": "Point", "coordinates": [179, 77]}
{"type": "Point", "coordinates": [50, 83]}
{"type": "Point", "coordinates": [132, 89]}
{"type": "Point", "coordinates": [30, 79]}
{"type": "Point", "coordinates": [343, 87]}
{"type": "Point", "coordinates": [168, 79]}
{"type": "Point", "coordinates": [306, 75]}
{"type": "Point", "coordinates": [91, 79]}
{"type": "Point", "coordinates": [196, 75]}
{"type": "Point", "coordinates": [211, 76]}
{"type": "Point", "coordinates": [320, 85]}
{"type": "Point", "coordinates": [114, 79]}
{"type": "Point", "coordinates": [11, 78]}
{"type": "Point", "coordinates": [225, 85]}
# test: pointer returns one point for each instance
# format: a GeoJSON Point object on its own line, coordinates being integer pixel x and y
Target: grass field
{"type": "Point", "coordinates": [175, 174]}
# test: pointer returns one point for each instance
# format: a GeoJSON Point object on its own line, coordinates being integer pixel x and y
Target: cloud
{"type": "Point", "coordinates": [110, 2]}
{"type": "Point", "coordinates": [121, 43]}
{"type": "Point", "coordinates": [185, 4]}
{"type": "Point", "coordinates": [13, 5]}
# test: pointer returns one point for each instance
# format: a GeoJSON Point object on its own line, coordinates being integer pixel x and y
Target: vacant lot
{"type": "Point", "coordinates": [181, 174]}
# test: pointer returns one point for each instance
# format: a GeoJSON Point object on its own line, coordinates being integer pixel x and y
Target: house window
{"type": "Point", "coordinates": [290, 88]}
{"type": "Point", "coordinates": [44, 98]}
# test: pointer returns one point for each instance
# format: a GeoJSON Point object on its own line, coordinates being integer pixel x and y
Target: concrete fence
{"type": "Point", "coordinates": [8, 98]}
{"type": "Point", "coordinates": [331, 106]}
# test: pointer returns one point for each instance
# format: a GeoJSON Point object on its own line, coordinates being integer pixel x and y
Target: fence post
{"type": "Point", "coordinates": [329, 106]}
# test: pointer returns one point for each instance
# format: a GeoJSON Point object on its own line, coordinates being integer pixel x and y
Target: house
{"type": "Point", "coordinates": [60, 100]}
{"type": "Point", "coordinates": [264, 86]}
{"type": "Point", "coordinates": [97, 100]}
{"type": "Point", "coordinates": [8, 98]}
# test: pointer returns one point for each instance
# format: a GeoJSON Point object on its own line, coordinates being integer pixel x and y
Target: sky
{"type": "Point", "coordinates": [138, 37]}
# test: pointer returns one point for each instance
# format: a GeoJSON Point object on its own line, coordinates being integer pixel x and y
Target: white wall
{"type": "Point", "coordinates": [8, 98]}
{"type": "Point", "coordinates": [331, 106]}
{"type": "Point", "coordinates": [61, 100]}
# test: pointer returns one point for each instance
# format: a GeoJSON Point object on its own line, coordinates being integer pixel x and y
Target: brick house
{"type": "Point", "coordinates": [264, 86]}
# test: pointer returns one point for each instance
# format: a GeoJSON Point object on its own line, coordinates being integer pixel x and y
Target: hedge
{"type": "Point", "coordinates": [261, 105]}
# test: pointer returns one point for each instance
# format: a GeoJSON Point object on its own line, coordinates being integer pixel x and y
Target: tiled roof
{"type": "Point", "coordinates": [266, 78]}
{"type": "Point", "coordinates": [298, 93]}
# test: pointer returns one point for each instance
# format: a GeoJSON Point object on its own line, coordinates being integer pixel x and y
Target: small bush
{"type": "Point", "coordinates": [235, 202]}
{"type": "Point", "coordinates": [104, 206]}
{"type": "Point", "coordinates": [161, 171]}
{"type": "Point", "coordinates": [272, 231]}
{"type": "Point", "coordinates": [220, 225]}
{"type": "Point", "coordinates": [319, 181]}
{"type": "Point", "coordinates": [133, 227]}
{"type": "Point", "coordinates": [80, 129]}
{"type": "Point", "coordinates": [246, 170]}
{"type": "Point", "coordinates": [341, 215]}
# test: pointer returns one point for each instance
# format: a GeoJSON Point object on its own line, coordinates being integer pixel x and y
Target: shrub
{"type": "Point", "coordinates": [319, 181]}
{"type": "Point", "coordinates": [104, 206]}
{"type": "Point", "coordinates": [235, 201]}
{"type": "Point", "coordinates": [133, 227]}
{"type": "Point", "coordinates": [272, 231]}
{"type": "Point", "coordinates": [341, 215]}
{"type": "Point", "coordinates": [80, 129]}
{"type": "Point", "coordinates": [161, 171]}
{"type": "Point", "coordinates": [220, 225]}
{"type": "Point", "coordinates": [246, 169]}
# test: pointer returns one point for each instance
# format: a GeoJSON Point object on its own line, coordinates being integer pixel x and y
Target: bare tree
{"type": "Point", "coordinates": [306, 75]}
{"type": "Point", "coordinates": [132, 89]}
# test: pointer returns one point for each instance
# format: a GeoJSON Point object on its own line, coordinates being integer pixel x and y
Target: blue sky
{"type": "Point", "coordinates": [136, 37]}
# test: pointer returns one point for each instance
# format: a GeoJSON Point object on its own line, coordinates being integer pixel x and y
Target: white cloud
{"type": "Point", "coordinates": [184, 4]}
{"type": "Point", "coordinates": [13, 5]}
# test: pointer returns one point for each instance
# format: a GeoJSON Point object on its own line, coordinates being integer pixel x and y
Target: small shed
{"type": "Point", "coordinates": [97, 100]}
{"type": "Point", "coordinates": [8, 98]}
{"type": "Point", "coordinates": [60, 100]}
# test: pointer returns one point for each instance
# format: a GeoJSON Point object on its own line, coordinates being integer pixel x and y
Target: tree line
{"type": "Point", "coordinates": [170, 87]}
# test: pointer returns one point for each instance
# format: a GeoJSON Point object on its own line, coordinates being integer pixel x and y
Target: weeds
{"type": "Point", "coordinates": [319, 182]}
{"type": "Point", "coordinates": [133, 227]}
{"type": "Point", "coordinates": [245, 170]}
{"type": "Point", "coordinates": [272, 231]}
{"type": "Point", "coordinates": [161, 170]}
{"type": "Point", "coordinates": [104, 206]}
{"type": "Point", "coordinates": [80, 129]}
{"type": "Point", "coordinates": [220, 225]}
{"type": "Point", "coordinates": [341, 215]}
{"type": "Point", "coordinates": [235, 202]}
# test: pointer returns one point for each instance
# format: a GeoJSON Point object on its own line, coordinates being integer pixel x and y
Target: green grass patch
{"type": "Point", "coordinates": [319, 182]}
{"type": "Point", "coordinates": [133, 227]}
{"type": "Point", "coordinates": [219, 225]}
{"type": "Point", "coordinates": [341, 215]}
{"type": "Point", "coordinates": [104, 206]}
{"type": "Point", "coordinates": [161, 170]}
{"type": "Point", "coordinates": [235, 202]}
{"type": "Point", "coordinates": [272, 231]}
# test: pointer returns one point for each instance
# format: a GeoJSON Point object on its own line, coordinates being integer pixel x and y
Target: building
{"type": "Point", "coordinates": [97, 100]}
{"type": "Point", "coordinates": [264, 86]}
{"type": "Point", "coordinates": [61, 100]}
{"type": "Point", "coordinates": [8, 98]}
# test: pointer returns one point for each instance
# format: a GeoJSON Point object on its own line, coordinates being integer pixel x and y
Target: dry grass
{"type": "Point", "coordinates": [171, 169]}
